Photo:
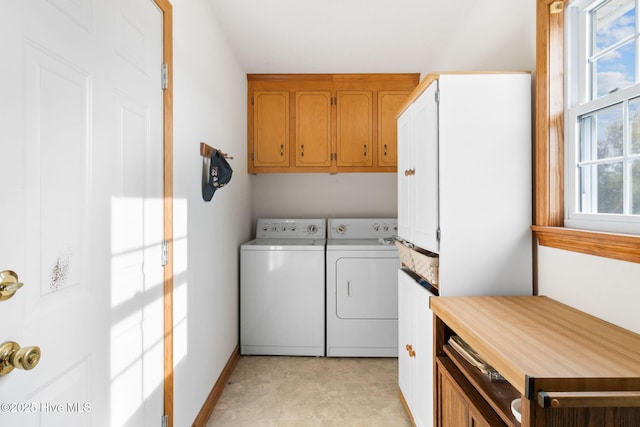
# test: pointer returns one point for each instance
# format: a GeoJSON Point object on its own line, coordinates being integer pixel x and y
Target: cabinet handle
{"type": "Point", "coordinates": [385, 149]}
{"type": "Point", "coordinates": [282, 149]}
{"type": "Point", "coordinates": [409, 347]}
{"type": "Point", "coordinates": [588, 399]}
{"type": "Point", "coordinates": [412, 353]}
{"type": "Point", "coordinates": [365, 150]}
{"type": "Point", "coordinates": [302, 150]}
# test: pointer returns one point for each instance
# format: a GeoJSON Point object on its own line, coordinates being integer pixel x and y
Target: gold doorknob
{"type": "Point", "coordinates": [9, 284]}
{"type": "Point", "coordinates": [12, 356]}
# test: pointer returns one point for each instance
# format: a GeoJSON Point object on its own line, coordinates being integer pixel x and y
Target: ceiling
{"type": "Point", "coordinates": [379, 36]}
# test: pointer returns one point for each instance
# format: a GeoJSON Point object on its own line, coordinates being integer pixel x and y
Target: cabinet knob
{"type": "Point", "coordinates": [409, 347]}
{"type": "Point", "coordinates": [412, 353]}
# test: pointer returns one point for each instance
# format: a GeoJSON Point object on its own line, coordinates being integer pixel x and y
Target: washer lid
{"type": "Point", "coordinates": [285, 244]}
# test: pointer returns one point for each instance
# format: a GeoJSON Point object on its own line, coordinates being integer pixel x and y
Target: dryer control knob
{"type": "Point", "coordinates": [312, 229]}
{"type": "Point", "coordinates": [341, 229]}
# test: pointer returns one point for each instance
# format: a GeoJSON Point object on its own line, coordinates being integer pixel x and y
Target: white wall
{"type": "Point", "coordinates": [324, 195]}
{"type": "Point", "coordinates": [210, 106]}
{"type": "Point", "coordinates": [605, 288]}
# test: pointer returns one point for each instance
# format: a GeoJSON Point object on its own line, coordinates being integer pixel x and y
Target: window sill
{"type": "Point", "coordinates": [623, 247]}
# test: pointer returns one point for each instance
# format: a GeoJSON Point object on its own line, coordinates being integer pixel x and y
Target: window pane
{"type": "Point", "coordinates": [613, 22]}
{"type": "Point", "coordinates": [634, 119]}
{"type": "Point", "coordinates": [601, 134]}
{"type": "Point", "coordinates": [635, 187]}
{"type": "Point", "coordinates": [601, 188]}
{"type": "Point", "coordinates": [616, 70]}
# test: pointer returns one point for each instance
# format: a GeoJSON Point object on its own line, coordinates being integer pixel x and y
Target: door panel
{"type": "Point", "coordinates": [354, 128]}
{"type": "Point", "coordinates": [367, 288]}
{"type": "Point", "coordinates": [271, 128]}
{"type": "Point", "coordinates": [82, 180]}
{"type": "Point", "coordinates": [389, 103]}
{"type": "Point", "coordinates": [313, 128]}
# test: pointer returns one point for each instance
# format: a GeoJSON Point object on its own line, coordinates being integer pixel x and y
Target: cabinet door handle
{"type": "Point", "coordinates": [412, 353]}
{"type": "Point", "coordinates": [348, 288]}
{"type": "Point", "coordinates": [365, 150]}
{"type": "Point", "coordinates": [282, 149]}
{"type": "Point", "coordinates": [408, 347]}
{"type": "Point", "coordinates": [302, 150]}
{"type": "Point", "coordinates": [385, 149]}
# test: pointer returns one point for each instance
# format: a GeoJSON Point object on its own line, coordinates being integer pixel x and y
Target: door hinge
{"type": "Point", "coordinates": [164, 72]}
{"type": "Point", "coordinates": [165, 421]}
{"type": "Point", "coordinates": [438, 95]}
{"type": "Point", "coordinates": [165, 252]}
{"type": "Point", "coordinates": [438, 234]}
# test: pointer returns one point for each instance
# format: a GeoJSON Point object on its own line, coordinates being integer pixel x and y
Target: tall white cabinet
{"type": "Point", "coordinates": [464, 192]}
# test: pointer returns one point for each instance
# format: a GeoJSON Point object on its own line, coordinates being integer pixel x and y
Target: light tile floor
{"type": "Point", "coordinates": [311, 391]}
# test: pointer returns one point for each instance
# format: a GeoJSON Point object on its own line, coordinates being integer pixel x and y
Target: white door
{"type": "Point", "coordinates": [81, 218]}
{"type": "Point", "coordinates": [426, 177]}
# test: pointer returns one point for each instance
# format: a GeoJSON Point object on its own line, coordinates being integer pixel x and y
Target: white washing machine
{"type": "Point", "coordinates": [282, 279]}
{"type": "Point", "coordinates": [362, 287]}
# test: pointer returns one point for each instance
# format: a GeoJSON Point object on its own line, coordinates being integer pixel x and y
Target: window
{"type": "Point", "coordinates": [602, 114]}
{"type": "Point", "coordinates": [549, 225]}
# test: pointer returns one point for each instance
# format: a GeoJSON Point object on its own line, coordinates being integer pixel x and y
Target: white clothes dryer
{"type": "Point", "coordinates": [362, 287]}
{"type": "Point", "coordinates": [282, 278]}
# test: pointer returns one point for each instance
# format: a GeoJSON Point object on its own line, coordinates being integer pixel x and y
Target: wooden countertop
{"type": "Point", "coordinates": [537, 343]}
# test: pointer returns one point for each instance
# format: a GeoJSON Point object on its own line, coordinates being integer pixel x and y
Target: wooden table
{"type": "Point", "coordinates": [566, 365]}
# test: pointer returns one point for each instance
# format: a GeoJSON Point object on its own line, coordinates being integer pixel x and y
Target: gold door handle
{"type": "Point", "coordinates": [9, 284]}
{"type": "Point", "coordinates": [409, 347]}
{"type": "Point", "coordinates": [385, 149]}
{"type": "Point", "coordinates": [282, 149]}
{"type": "Point", "coordinates": [412, 353]}
{"type": "Point", "coordinates": [12, 356]}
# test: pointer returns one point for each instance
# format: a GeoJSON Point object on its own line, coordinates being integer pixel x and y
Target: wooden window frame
{"type": "Point", "coordinates": [549, 149]}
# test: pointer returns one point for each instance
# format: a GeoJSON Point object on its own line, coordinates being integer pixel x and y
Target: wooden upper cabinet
{"type": "Point", "coordinates": [270, 128]}
{"type": "Point", "coordinates": [324, 122]}
{"type": "Point", "coordinates": [313, 128]}
{"type": "Point", "coordinates": [389, 103]}
{"type": "Point", "coordinates": [354, 128]}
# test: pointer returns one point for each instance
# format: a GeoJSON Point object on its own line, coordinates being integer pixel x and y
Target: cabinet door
{"type": "Point", "coordinates": [405, 180]}
{"type": "Point", "coordinates": [423, 359]}
{"type": "Point", "coordinates": [270, 128]}
{"type": "Point", "coordinates": [354, 128]}
{"type": "Point", "coordinates": [388, 104]}
{"type": "Point", "coordinates": [405, 332]}
{"type": "Point", "coordinates": [425, 141]}
{"type": "Point", "coordinates": [313, 128]}
{"type": "Point", "coordinates": [453, 410]}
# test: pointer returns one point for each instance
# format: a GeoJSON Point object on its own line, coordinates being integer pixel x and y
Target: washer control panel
{"type": "Point", "coordinates": [291, 228]}
{"type": "Point", "coordinates": [362, 228]}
